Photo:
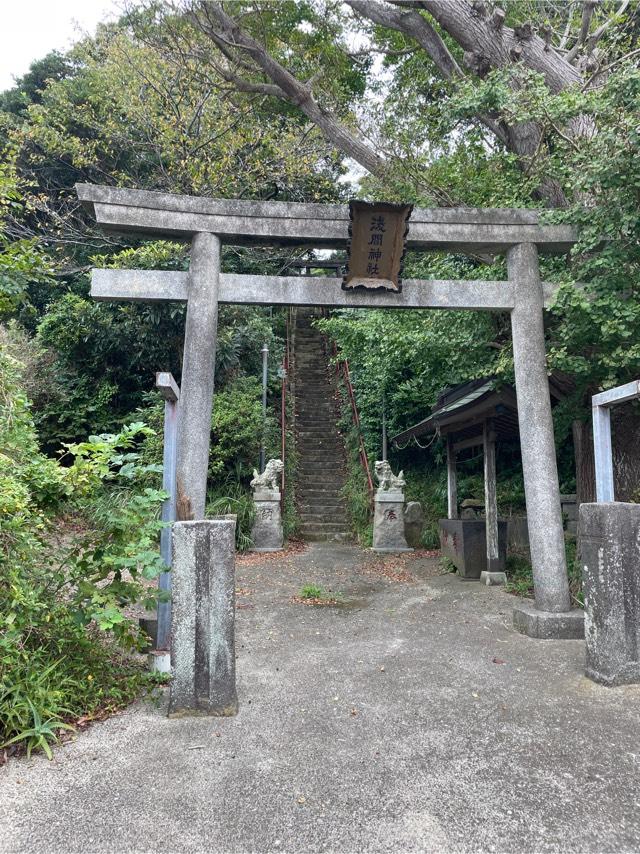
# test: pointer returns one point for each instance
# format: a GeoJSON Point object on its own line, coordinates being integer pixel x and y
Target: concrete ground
{"type": "Point", "coordinates": [410, 717]}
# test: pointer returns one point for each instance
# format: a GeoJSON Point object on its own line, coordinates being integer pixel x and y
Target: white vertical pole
{"type": "Point", "coordinates": [171, 394]}
{"type": "Point", "coordinates": [603, 453]}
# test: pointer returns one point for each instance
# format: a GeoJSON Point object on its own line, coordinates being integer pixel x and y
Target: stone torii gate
{"type": "Point", "coordinates": [208, 222]}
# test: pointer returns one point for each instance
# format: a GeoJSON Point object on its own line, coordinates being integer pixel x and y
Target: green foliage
{"type": "Point", "coordinates": [22, 262]}
{"type": "Point", "coordinates": [237, 430]}
{"type": "Point", "coordinates": [447, 566]}
{"type": "Point", "coordinates": [234, 498]}
{"type": "Point", "coordinates": [312, 591]}
{"type": "Point", "coordinates": [40, 733]}
{"type": "Point", "coordinates": [520, 574]}
{"type": "Point", "coordinates": [59, 595]}
{"type": "Point", "coordinates": [407, 357]}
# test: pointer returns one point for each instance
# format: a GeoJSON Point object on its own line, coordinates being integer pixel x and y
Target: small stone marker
{"type": "Point", "coordinates": [413, 524]}
{"type": "Point", "coordinates": [266, 532]}
{"type": "Point", "coordinates": [610, 551]}
{"type": "Point", "coordinates": [493, 579]}
{"type": "Point", "coordinates": [202, 619]}
{"type": "Point", "coordinates": [388, 519]}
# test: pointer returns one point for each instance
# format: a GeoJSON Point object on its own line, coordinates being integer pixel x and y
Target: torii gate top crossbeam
{"type": "Point", "coordinates": [469, 230]}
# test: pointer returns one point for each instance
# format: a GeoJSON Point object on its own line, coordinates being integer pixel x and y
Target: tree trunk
{"type": "Point", "coordinates": [585, 465]}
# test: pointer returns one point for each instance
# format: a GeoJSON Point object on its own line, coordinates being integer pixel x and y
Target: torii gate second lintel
{"type": "Point", "coordinates": [206, 222]}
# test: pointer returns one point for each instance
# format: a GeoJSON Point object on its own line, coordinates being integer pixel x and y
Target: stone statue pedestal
{"type": "Point", "coordinates": [388, 522]}
{"type": "Point", "coordinates": [267, 527]}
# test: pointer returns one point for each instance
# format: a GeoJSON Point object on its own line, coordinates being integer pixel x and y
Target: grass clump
{"type": "Point", "coordinates": [313, 591]}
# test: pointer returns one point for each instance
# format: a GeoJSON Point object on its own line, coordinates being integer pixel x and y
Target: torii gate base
{"type": "Point", "coordinates": [206, 221]}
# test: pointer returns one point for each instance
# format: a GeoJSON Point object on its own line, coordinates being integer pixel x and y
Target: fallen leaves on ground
{"type": "Point", "coordinates": [293, 548]}
{"type": "Point", "coordinates": [396, 568]}
{"type": "Point", "coordinates": [299, 600]}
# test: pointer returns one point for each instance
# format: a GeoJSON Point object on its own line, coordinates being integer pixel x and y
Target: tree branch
{"type": "Point", "coordinates": [587, 13]}
{"type": "Point", "coordinates": [500, 47]}
{"type": "Point", "coordinates": [414, 25]}
{"type": "Point", "coordinates": [219, 26]}
{"type": "Point", "coordinates": [595, 37]}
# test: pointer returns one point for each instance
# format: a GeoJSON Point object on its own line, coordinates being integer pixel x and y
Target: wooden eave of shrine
{"type": "Point", "coordinates": [462, 411]}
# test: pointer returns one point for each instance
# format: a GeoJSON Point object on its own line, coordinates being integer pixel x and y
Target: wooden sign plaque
{"type": "Point", "coordinates": [377, 234]}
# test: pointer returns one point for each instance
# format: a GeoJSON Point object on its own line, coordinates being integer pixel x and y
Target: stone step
{"type": "Point", "coordinates": [322, 458]}
{"type": "Point", "coordinates": [315, 494]}
{"type": "Point", "coordinates": [329, 538]}
{"type": "Point", "coordinates": [320, 451]}
{"type": "Point", "coordinates": [324, 406]}
{"type": "Point", "coordinates": [323, 528]}
{"type": "Point", "coordinates": [307, 434]}
{"type": "Point", "coordinates": [321, 514]}
{"type": "Point", "coordinates": [313, 387]}
{"type": "Point", "coordinates": [321, 465]}
{"type": "Point", "coordinates": [314, 519]}
{"type": "Point", "coordinates": [319, 503]}
{"type": "Point", "coordinates": [310, 489]}
{"type": "Point", "coordinates": [322, 419]}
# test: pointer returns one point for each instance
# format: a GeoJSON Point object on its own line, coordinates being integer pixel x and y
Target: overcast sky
{"type": "Point", "coordinates": [29, 29]}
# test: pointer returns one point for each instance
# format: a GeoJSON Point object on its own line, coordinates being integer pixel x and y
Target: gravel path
{"type": "Point", "coordinates": [409, 717]}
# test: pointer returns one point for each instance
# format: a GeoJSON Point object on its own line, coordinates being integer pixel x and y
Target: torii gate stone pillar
{"type": "Point", "coordinates": [207, 222]}
{"type": "Point", "coordinates": [552, 616]}
{"type": "Point", "coordinates": [198, 369]}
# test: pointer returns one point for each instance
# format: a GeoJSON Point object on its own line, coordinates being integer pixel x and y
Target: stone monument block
{"type": "Point", "coordinates": [266, 532]}
{"type": "Point", "coordinates": [464, 542]}
{"type": "Point", "coordinates": [388, 523]}
{"type": "Point", "coordinates": [413, 524]}
{"type": "Point", "coordinates": [610, 557]}
{"type": "Point", "coordinates": [202, 618]}
{"type": "Point", "coordinates": [388, 518]}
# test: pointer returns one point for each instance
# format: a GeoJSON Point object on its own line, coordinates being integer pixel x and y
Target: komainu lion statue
{"type": "Point", "coordinates": [270, 477]}
{"type": "Point", "coordinates": [387, 479]}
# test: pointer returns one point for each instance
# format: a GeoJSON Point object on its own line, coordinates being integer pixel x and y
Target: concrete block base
{"type": "Point", "coordinates": [159, 661]}
{"type": "Point", "coordinates": [388, 523]}
{"type": "Point", "coordinates": [629, 675]}
{"type": "Point", "coordinates": [610, 546]}
{"type": "Point", "coordinates": [203, 618]}
{"type": "Point", "coordinates": [493, 579]}
{"type": "Point", "coordinates": [267, 527]}
{"type": "Point", "coordinates": [548, 625]}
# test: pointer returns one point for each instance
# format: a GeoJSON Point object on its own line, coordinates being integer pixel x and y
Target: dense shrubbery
{"type": "Point", "coordinates": [62, 589]}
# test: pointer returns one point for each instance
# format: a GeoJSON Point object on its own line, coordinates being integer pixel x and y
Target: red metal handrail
{"type": "Point", "coordinates": [343, 365]}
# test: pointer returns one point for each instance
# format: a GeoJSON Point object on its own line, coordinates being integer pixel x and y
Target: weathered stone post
{"type": "Point", "coordinates": [198, 366]}
{"type": "Point", "coordinates": [610, 556]}
{"type": "Point", "coordinates": [203, 614]}
{"type": "Point", "coordinates": [266, 532]}
{"type": "Point", "coordinates": [544, 517]}
{"type": "Point", "coordinates": [388, 517]}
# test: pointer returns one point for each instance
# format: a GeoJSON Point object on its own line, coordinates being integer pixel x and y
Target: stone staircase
{"type": "Point", "coordinates": [321, 457]}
